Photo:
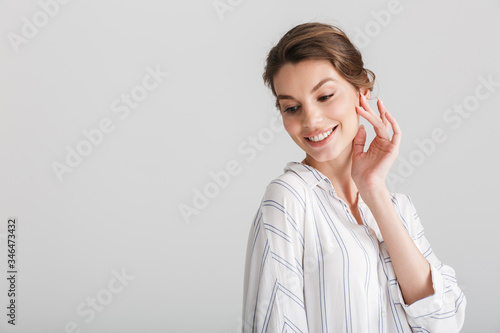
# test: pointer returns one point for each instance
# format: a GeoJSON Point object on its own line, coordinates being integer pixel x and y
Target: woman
{"type": "Point", "coordinates": [331, 249]}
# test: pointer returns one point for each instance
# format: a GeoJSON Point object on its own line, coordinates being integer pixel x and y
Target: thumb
{"type": "Point", "coordinates": [358, 144]}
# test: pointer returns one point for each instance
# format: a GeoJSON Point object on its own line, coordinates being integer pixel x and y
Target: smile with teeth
{"type": "Point", "coordinates": [322, 136]}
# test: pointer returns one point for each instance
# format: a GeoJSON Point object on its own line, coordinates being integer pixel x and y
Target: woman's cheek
{"type": "Point", "coordinates": [290, 126]}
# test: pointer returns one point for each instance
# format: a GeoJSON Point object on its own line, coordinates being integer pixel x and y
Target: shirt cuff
{"type": "Point", "coordinates": [427, 305]}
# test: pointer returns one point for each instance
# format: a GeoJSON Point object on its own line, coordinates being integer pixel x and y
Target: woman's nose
{"type": "Point", "coordinates": [311, 116]}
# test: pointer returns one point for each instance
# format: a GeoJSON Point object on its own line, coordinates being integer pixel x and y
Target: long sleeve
{"type": "Point", "coordinates": [444, 311]}
{"type": "Point", "coordinates": [273, 298]}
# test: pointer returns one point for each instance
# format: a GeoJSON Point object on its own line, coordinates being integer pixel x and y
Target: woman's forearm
{"type": "Point", "coordinates": [412, 269]}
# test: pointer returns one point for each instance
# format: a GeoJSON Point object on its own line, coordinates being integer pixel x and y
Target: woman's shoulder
{"type": "Point", "coordinates": [288, 191]}
{"type": "Point", "coordinates": [289, 183]}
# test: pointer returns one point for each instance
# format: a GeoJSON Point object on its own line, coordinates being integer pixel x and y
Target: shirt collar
{"type": "Point", "coordinates": [312, 177]}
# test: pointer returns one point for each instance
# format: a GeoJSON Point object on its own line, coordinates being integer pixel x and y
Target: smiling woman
{"type": "Point", "coordinates": [327, 108]}
{"type": "Point", "coordinates": [330, 248]}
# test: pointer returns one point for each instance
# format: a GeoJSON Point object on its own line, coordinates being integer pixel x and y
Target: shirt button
{"type": "Point", "coordinates": [437, 305]}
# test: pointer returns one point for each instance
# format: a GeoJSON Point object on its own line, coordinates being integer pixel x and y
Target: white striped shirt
{"type": "Point", "coordinates": [310, 267]}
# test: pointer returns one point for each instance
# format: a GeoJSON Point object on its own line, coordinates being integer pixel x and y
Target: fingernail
{"type": "Point", "coordinates": [363, 97]}
{"type": "Point", "coordinates": [381, 102]}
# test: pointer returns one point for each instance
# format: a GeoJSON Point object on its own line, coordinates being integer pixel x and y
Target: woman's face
{"type": "Point", "coordinates": [318, 108]}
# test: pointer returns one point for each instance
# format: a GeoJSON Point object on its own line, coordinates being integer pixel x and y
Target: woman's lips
{"type": "Point", "coordinates": [315, 133]}
{"type": "Point", "coordinates": [322, 140]}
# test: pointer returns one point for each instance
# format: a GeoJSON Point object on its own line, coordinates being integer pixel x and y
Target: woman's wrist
{"type": "Point", "coordinates": [374, 193]}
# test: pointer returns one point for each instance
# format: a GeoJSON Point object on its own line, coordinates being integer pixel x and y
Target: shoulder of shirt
{"type": "Point", "coordinates": [409, 214]}
{"type": "Point", "coordinates": [288, 189]}
{"type": "Point", "coordinates": [404, 200]}
{"type": "Point", "coordinates": [288, 179]}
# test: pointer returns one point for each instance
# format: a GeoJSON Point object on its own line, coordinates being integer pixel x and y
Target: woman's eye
{"type": "Point", "coordinates": [324, 98]}
{"type": "Point", "coordinates": [291, 109]}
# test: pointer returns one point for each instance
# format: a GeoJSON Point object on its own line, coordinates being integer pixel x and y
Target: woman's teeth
{"type": "Point", "coordinates": [321, 136]}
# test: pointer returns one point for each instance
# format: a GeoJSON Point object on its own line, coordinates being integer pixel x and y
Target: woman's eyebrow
{"type": "Point", "coordinates": [316, 87]}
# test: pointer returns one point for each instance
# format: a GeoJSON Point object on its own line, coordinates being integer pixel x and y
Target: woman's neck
{"type": "Point", "coordinates": [338, 172]}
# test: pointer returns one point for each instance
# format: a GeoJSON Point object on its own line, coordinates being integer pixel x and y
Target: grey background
{"type": "Point", "coordinates": [119, 209]}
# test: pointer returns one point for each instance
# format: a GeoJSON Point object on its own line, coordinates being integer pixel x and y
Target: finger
{"type": "Point", "coordinates": [387, 124]}
{"type": "Point", "coordinates": [358, 144]}
{"type": "Point", "coordinates": [396, 137]}
{"type": "Point", "coordinates": [365, 105]}
{"type": "Point", "coordinates": [383, 110]}
{"type": "Point", "coordinates": [376, 122]}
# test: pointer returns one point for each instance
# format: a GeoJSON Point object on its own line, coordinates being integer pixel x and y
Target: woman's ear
{"type": "Point", "coordinates": [365, 91]}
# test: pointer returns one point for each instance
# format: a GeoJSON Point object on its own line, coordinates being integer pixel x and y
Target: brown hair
{"type": "Point", "coordinates": [318, 41]}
